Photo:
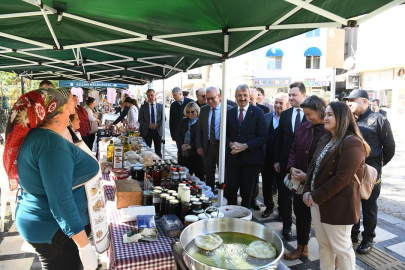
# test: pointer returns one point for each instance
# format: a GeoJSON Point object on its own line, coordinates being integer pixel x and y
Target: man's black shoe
{"type": "Point", "coordinates": [287, 234]}
{"type": "Point", "coordinates": [365, 247]}
{"type": "Point", "coordinates": [266, 213]}
{"type": "Point", "coordinates": [255, 206]}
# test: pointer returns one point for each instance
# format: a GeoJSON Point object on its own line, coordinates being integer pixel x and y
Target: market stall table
{"type": "Point", "coordinates": [108, 116]}
{"type": "Point", "coordinates": [156, 255]}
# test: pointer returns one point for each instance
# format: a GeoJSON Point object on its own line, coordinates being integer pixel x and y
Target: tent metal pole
{"type": "Point", "coordinates": [190, 34]}
{"type": "Point", "coordinates": [132, 68]}
{"type": "Point", "coordinates": [23, 14]}
{"type": "Point", "coordinates": [222, 131]}
{"type": "Point", "coordinates": [181, 80]}
{"type": "Point", "coordinates": [248, 42]}
{"type": "Point", "coordinates": [107, 52]}
{"type": "Point", "coordinates": [305, 25]}
{"type": "Point", "coordinates": [156, 57]}
{"type": "Point", "coordinates": [264, 30]}
{"type": "Point", "coordinates": [178, 62]}
{"type": "Point", "coordinates": [186, 47]}
{"type": "Point", "coordinates": [61, 68]}
{"type": "Point", "coordinates": [40, 44]}
{"type": "Point", "coordinates": [318, 11]}
{"type": "Point", "coordinates": [107, 70]}
{"type": "Point", "coordinates": [135, 79]}
{"type": "Point", "coordinates": [192, 64]}
{"type": "Point", "coordinates": [164, 117]}
{"type": "Point", "coordinates": [333, 85]}
{"type": "Point", "coordinates": [379, 11]}
{"type": "Point", "coordinates": [143, 72]}
{"type": "Point", "coordinates": [158, 65]}
{"type": "Point", "coordinates": [108, 62]}
{"type": "Point", "coordinates": [19, 59]}
{"type": "Point", "coordinates": [118, 29]}
{"type": "Point", "coordinates": [101, 43]}
{"type": "Point", "coordinates": [289, 14]}
{"type": "Point", "coordinates": [48, 24]}
{"type": "Point", "coordinates": [22, 65]}
{"type": "Point", "coordinates": [47, 58]}
{"type": "Point", "coordinates": [22, 85]}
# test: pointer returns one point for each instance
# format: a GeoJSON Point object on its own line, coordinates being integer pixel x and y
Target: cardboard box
{"type": "Point", "coordinates": [127, 192]}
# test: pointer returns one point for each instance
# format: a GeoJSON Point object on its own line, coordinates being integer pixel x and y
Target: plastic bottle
{"type": "Point", "coordinates": [110, 151]}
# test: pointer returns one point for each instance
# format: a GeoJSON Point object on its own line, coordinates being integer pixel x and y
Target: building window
{"type": "Point", "coordinates": [275, 58]}
{"type": "Point", "coordinates": [274, 62]}
{"type": "Point", "coordinates": [312, 62]}
{"type": "Point", "coordinates": [313, 58]}
{"type": "Point", "coordinates": [314, 33]}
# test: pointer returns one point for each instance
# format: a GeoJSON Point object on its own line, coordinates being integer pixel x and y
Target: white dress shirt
{"type": "Point", "coordinates": [244, 111]}
{"type": "Point", "coordinates": [294, 115]}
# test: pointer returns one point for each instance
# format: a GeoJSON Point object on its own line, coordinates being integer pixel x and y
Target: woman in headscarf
{"type": "Point", "coordinates": [52, 208]}
{"type": "Point", "coordinates": [186, 141]}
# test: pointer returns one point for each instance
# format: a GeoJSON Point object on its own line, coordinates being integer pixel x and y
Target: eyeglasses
{"type": "Point", "coordinates": [211, 98]}
{"type": "Point", "coordinates": [202, 96]}
{"type": "Point", "coordinates": [190, 112]}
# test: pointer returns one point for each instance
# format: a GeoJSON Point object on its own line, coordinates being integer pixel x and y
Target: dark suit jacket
{"type": "Point", "coordinates": [202, 127]}
{"type": "Point", "coordinates": [252, 131]}
{"type": "Point", "coordinates": [122, 115]}
{"type": "Point", "coordinates": [264, 108]}
{"type": "Point", "coordinates": [176, 114]}
{"type": "Point", "coordinates": [336, 191]}
{"type": "Point", "coordinates": [271, 142]}
{"type": "Point", "coordinates": [231, 103]}
{"type": "Point", "coordinates": [181, 134]}
{"type": "Point", "coordinates": [144, 119]}
{"type": "Point", "coordinates": [285, 138]}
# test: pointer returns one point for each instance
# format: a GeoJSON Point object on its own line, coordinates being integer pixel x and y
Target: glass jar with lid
{"type": "Point", "coordinates": [162, 209]}
{"type": "Point", "coordinates": [156, 200]}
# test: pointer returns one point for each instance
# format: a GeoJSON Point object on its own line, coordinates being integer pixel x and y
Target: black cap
{"type": "Point", "coordinates": [357, 93]}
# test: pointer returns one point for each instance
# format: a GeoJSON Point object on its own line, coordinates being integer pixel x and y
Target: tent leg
{"type": "Point", "coordinates": [22, 85]}
{"type": "Point", "coordinates": [164, 118]}
{"type": "Point", "coordinates": [222, 143]}
{"type": "Point", "coordinates": [333, 86]}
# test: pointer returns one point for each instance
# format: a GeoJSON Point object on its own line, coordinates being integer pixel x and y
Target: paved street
{"type": "Point", "coordinates": [15, 253]}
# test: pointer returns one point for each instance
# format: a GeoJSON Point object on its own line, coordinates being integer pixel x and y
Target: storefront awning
{"type": "Point", "coordinates": [274, 52]}
{"type": "Point", "coordinates": [313, 51]}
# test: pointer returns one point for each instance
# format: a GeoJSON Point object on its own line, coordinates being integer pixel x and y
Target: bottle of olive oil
{"type": "Point", "coordinates": [127, 147]}
{"type": "Point", "coordinates": [110, 151]}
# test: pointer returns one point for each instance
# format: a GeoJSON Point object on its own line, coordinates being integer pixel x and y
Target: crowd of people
{"type": "Point", "coordinates": [300, 137]}
{"type": "Point", "coordinates": [321, 145]}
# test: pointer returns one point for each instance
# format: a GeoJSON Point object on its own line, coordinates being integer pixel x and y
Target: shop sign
{"type": "Point", "coordinates": [353, 81]}
{"type": "Point", "coordinates": [91, 84]}
{"type": "Point", "coordinates": [194, 76]}
{"type": "Point", "coordinates": [271, 81]}
{"type": "Point", "coordinates": [315, 83]}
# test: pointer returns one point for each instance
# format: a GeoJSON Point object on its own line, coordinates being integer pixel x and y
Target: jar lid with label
{"type": "Point", "coordinates": [164, 195]}
{"type": "Point", "coordinates": [156, 191]}
{"type": "Point", "coordinates": [174, 201]}
{"type": "Point", "coordinates": [203, 216]}
{"type": "Point", "coordinates": [169, 198]}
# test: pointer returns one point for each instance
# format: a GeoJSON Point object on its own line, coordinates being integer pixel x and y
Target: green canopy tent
{"type": "Point", "coordinates": [138, 41]}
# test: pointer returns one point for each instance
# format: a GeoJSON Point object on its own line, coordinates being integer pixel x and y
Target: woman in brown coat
{"type": "Point", "coordinates": [330, 188]}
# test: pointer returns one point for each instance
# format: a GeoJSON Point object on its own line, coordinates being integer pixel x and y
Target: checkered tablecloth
{"type": "Point", "coordinates": [142, 255]}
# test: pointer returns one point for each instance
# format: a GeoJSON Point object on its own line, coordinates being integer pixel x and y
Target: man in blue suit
{"type": "Point", "coordinates": [246, 134]}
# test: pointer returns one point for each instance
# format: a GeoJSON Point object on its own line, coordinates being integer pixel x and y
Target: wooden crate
{"type": "Point", "coordinates": [127, 192]}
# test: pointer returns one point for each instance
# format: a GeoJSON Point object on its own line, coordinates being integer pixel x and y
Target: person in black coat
{"type": "Point", "coordinates": [177, 110]}
{"type": "Point", "coordinates": [186, 141]}
{"type": "Point", "coordinates": [122, 116]}
{"type": "Point", "coordinates": [268, 172]}
{"type": "Point", "coordinates": [253, 101]}
{"type": "Point", "coordinates": [176, 114]}
{"type": "Point", "coordinates": [246, 135]}
{"type": "Point", "coordinates": [290, 120]}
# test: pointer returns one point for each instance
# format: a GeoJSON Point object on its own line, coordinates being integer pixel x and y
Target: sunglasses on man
{"type": "Point", "coordinates": [190, 112]}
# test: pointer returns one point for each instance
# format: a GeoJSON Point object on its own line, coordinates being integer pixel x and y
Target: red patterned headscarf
{"type": "Point", "coordinates": [30, 111]}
